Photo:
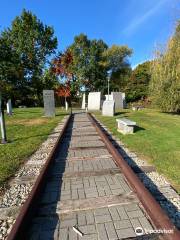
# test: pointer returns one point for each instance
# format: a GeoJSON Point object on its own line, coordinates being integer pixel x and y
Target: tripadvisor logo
{"type": "Point", "coordinates": [139, 231]}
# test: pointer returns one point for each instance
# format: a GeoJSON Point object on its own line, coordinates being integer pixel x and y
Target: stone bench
{"type": "Point", "coordinates": [137, 108]}
{"type": "Point", "coordinates": [125, 126]}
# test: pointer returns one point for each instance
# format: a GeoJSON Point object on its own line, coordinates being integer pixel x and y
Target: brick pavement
{"type": "Point", "coordinates": [82, 191]}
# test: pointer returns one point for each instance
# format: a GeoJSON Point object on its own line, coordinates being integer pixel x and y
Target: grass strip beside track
{"type": "Point", "coordinates": [157, 139]}
{"type": "Point", "coordinates": [26, 130]}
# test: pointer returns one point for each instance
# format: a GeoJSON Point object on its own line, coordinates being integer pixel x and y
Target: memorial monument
{"type": "Point", "coordinates": [108, 108]}
{"type": "Point", "coordinates": [94, 101]}
{"type": "Point", "coordinates": [119, 99]}
{"type": "Point", "coordinates": [83, 101]}
{"type": "Point", "coordinates": [49, 103]}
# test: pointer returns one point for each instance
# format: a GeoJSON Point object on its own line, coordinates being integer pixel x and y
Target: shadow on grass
{"type": "Point", "coordinates": [173, 113]}
{"type": "Point", "coordinates": [33, 136]}
{"type": "Point", "coordinates": [119, 113]}
{"type": "Point", "coordinates": [25, 111]}
{"type": "Point", "coordinates": [137, 129]}
{"type": "Point", "coordinates": [62, 114]}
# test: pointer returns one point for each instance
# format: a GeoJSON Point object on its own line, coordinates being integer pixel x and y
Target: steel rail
{"type": "Point", "coordinates": [26, 213]}
{"type": "Point", "coordinates": [159, 218]}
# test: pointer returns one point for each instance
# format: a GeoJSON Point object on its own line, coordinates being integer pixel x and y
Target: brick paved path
{"type": "Point", "coordinates": [85, 189]}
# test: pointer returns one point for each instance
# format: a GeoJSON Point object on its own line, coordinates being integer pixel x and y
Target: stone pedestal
{"type": "Point", "coordinates": [108, 108]}
{"type": "Point", "coordinates": [84, 102]}
{"type": "Point", "coordinates": [9, 107]}
{"type": "Point", "coordinates": [49, 103]}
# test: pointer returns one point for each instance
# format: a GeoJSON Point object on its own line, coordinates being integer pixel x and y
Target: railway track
{"type": "Point", "coordinates": [86, 190]}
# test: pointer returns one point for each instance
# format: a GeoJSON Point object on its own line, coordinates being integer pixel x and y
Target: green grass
{"type": "Point", "coordinates": [26, 130]}
{"type": "Point", "coordinates": [157, 139]}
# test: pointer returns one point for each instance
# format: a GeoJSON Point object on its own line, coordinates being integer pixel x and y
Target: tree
{"type": "Point", "coordinates": [61, 67]}
{"type": "Point", "coordinates": [86, 66]}
{"type": "Point", "coordinates": [165, 81]}
{"type": "Point", "coordinates": [9, 66]}
{"type": "Point", "coordinates": [116, 61]}
{"type": "Point", "coordinates": [32, 43]}
{"type": "Point", "coordinates": [117, 57]}
{"type": "Point", "coordinates": [138, 84]}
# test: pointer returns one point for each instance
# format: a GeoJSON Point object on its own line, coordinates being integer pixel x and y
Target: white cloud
{"type": "Point", "coordinates": [135, 65]}
{"type": "Point", "coordinates": [135, 23]}
{"type": "Point", "coordinates": [145, 60]}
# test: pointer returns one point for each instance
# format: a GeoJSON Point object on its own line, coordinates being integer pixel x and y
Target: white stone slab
{"type": "Point", "coordinates": [94, 101]}
{"type": "Point", "coordinates": [9, 107]}
{"type": "Point", "coordinates": [83, 101]}
{"type": "Point", "coordinates": [108, 108]}
{"type": "Point", "coordinates": [119, 99]}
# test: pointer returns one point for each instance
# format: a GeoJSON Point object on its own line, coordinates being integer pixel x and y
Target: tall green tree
{"type": "Point", "coordinates": [33, 43]}
{"type": "Point", "coordinates": [116, 61]}
{"type": "Point", "coordinates": [86, 66]}
{"type": "Point", "coordinates": [165, 81]}
{"type": "Point", "coordinates": [9, 67]}
{"type": "Point", "coordinates": [138, 84]}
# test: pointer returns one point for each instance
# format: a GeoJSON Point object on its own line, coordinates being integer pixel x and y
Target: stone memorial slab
{"type": "Point", "coordinates": [109, 98]}
{"type": "Point", "coordinates": [94, 101]}
{"type": "Point", "coordinates": [108, 108]}
{"type": "Point", "coordinates": [119, 99]}
{"type": "Point", "coordinates": [124, 100]}
{"type": "Point", "coordinates": [49, 103]}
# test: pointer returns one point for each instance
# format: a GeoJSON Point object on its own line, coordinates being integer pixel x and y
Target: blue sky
{"type": "Point", "coordinates": [140, 24]}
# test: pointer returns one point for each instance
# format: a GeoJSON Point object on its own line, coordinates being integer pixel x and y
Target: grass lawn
{"type": "Point", "coordinates": [26, 130]}
{"type": "Point", "coordinates": [157, 139]}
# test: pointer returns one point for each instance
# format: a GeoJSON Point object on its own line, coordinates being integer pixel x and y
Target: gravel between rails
{"type": "Point", "coordinates": [17, 193]}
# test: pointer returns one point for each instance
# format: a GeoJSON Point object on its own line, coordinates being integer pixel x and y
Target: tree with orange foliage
{"type": "Point", "coordinates": [61, 68]}
{"type": "Point", "coordinates": [61, 65]}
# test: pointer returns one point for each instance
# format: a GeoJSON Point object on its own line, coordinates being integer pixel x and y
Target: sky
{"type": "Point", "coordinates": [140, 24]}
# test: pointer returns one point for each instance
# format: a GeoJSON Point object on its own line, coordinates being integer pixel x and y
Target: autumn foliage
{"type": "Point", "coordinates": [61, 65]}
{"type": "Point", "coordinates": [64, 90]}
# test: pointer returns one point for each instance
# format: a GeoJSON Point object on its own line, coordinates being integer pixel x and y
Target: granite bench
{"type": "Point", "coordinates": [125, 126]}
{"type": "Point", "coordinates": [137, 108]}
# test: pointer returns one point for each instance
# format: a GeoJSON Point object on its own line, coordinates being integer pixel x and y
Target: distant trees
{"type": "Point", "coordinates": [9, 66]}
{"type": "Point", "coordinates": [137, 87]}
{"type": "Point", "coordinates": [25, 48]}
{"type": "Point", "coordinates": [116, 60]}
{"type": "Point", "coordinates": [93, 58]}
{"type": "Point", "coordinates": [165, 80]}
{"type": "Point", "coordinates": [86, 66]}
